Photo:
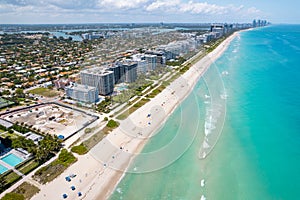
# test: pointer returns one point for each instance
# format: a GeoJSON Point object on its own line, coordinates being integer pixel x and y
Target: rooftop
{"type": "Point", "coordinates": [80, 87]}
{"type": "Point", "coordinates": [34, 137]}
{"type": "Point", "coordinates": [97, 71]}
{"type": "Point", "coordinates": [5, 123]}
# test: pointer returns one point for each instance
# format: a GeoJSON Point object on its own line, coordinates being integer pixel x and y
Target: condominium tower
{"type": "Point", "coordinates": [101, 78]}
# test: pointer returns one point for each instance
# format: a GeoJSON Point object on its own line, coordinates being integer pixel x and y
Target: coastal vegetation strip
{"type": "Point", "coordinates": [55, 168]}
{"type": "Point", "coordinates": [133, 108]}
{"type": "Point", "coordinates": [23, 191]}
{"type": "Point", "coordinates": [88, 144]}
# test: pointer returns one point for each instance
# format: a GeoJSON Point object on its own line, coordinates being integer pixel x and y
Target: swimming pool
{"type": "Point", "coordinates": [12, 159]}
{"type": "Point", "coordinates": [121, 87]}
{"type": "Point", "coordinates": [2, 169]}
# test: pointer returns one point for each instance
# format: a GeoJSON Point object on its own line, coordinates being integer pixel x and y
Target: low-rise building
{"type": "Point", "coordinates": [34, 137]}
{"type": "Point", "coordinates": [61, 83]}
{"type": "Point", "coordinates": [5, 124]}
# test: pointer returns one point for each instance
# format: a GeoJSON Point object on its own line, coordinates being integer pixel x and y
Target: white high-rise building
{"type": "Point", "coordinates": [151, 62]}
{"type": "Point", "coordinates": [82, 93]}
{"type": "Point", "coordinates": [141, 63]}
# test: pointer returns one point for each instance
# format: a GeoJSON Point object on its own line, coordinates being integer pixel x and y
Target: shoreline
{"type": "Point", "coordinates": [210, 58]}
{"type": "Point", "coordinates": [100, 171]}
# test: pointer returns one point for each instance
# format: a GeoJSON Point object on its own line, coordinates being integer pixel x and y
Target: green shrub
{"type": "Point", "coordinates": [112, 124]}
{"type": "Point", "coordinates": [87, 130]}
{"type": "Point", "coordinates": [66, 158]}
{"type": "Point", "coordinates": [80, 149]}
{"type": "Point", "coordinates": [13, 196]}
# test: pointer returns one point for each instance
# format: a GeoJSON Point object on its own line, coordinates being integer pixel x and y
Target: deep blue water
{"type": "Point", "coordinates": [258, 153]}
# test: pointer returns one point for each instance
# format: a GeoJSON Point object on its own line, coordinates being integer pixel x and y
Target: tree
{"type": "Point", "coordinates": [5, 92]}
{"type": "Point", "coordinates": [49, 145]}
{"type": "Point", "coordinates": [22, 142]}
{"type": "Point", "coordinates": [20, 93]}
{"type": "Point", "coordinates": [2, 182]}
{"type": "Point", "coordinates": [112, 124]}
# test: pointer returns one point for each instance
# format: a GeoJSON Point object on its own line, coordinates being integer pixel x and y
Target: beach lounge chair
{"type": "Point", "coordinates": [72, 175]}
{"type": "Point", "coordinates": [68, 178]}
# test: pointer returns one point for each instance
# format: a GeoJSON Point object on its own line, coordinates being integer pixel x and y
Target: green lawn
{"type": "Point", "coordinates": [28, 167]}
{"type": "Point", "coordinates": [44, 92]}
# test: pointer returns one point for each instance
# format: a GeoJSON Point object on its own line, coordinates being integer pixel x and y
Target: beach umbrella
{"type": "Point", "coordinates": [73, 187]}
{"type": "Point", "coordinates": [61, 137]}
{"type": "Point", "coordinates": [65, 196]}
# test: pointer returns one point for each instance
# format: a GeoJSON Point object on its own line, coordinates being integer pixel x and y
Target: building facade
{"type": "Point", "coordinates": [151, 62]}
{"type": "Point", "coordinates": [101, 78]}
{"type": "Point", "coordinates": [83, 93]}
{"type": "Point", "coordinates": [130, 69]}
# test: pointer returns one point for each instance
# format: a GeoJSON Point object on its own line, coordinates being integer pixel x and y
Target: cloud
{"type": "Point", "coordinates": [203, 8]}
{"type": "Point", "coordinates": [192, 7]}
{"type": "Point", "coordinates": [122, 4]}
{"type": "Point", "coordinates": [253, 10]}
{"type": "Point", "coordinates": [163, 5]}
{"type": "Point", "coordinates": [107, 10]}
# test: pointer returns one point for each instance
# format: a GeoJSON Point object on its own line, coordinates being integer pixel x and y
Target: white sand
{"type": "Point", "coordinates": [102, 168]}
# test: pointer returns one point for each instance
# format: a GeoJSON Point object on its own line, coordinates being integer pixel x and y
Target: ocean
{"type": "Point", "coordinates": [251, 134]}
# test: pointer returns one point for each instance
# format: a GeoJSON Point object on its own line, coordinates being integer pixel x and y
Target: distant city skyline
{"type": "Point", "coordinates": [135, 11]}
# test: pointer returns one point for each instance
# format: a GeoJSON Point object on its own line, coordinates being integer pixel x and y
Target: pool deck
{"type": "Point", "coordinates": [10, 168]}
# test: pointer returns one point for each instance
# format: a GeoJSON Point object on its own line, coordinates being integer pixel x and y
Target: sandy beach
{"type": "Point", "coordinates": [99, 171]}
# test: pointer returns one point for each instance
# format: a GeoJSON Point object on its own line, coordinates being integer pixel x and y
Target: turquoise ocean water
{"type": "Point", "coordinates": [257, 155]}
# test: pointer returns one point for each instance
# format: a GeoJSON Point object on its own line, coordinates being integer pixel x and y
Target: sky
{"type": "Point", "coordinates": [135, 11]}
